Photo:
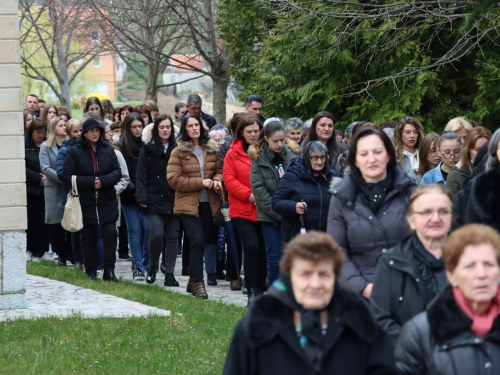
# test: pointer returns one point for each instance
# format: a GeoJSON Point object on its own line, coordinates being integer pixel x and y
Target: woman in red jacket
{"type": "Point", "coordinates": [242, 209]}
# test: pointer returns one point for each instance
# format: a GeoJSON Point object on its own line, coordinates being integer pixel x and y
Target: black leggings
{"type": "Point", "coordinates": [254, 249]}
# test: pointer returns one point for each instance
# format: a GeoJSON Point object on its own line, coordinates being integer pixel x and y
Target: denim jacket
{"type": "Point", "coordinates": [434, 176]}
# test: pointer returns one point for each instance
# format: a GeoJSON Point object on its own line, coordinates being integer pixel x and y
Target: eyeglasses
{"type": "Point", "coordinates": [316, 158]}
{"type": "Point", "coordinates": [427, 214]}
{"type": "Point", "coordinates": [448, 154]}
{"type": "Point", "coordinates": [434, 152]}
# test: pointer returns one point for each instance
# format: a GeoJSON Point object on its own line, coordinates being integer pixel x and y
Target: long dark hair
{"type": "Point", "coordinates": [313, 136]}
{"type": "Point", "coordinates": [271, 128]}
{"type": "Point", "coordinates": [353, 150]}
{"type": "Point", "coordinates": [183, 135]}
{"type": "Point", "coordinates": [155, 138]}
{"type": "Point", "coordinates": [129, 142]}
{"type": "Point", "coordinates": [94, 100]}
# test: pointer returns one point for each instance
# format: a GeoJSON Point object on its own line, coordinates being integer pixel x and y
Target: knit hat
{"type": "Point", "coordinates": [91, 123]}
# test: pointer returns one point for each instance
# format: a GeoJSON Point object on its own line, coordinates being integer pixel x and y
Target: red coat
{"type": "Point", "coordinates": [236, 179]}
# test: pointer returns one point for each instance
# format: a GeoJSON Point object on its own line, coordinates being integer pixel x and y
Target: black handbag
{"type": "Point", "coordinates": [218, 217]}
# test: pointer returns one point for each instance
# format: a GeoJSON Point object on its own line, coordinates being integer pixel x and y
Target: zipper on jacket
{"type": "Point", "coordinates": [96, 210]}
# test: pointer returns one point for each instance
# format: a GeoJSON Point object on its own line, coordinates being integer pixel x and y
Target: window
{"type": "Point", "coordinates": [96, 62]}
{"type": "Point", "coordinates": [95, 36]}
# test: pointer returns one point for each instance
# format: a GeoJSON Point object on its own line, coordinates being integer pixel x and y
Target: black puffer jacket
{"type": "Point", "coordinates": [440, 342]}
{"type": "Point", "coordinates": [152, 188]}
{"type": "Point", "coordinates": [98, 206]}
{"type": "Point", "coordinates": [298, 185]}
{"type": "Point", "coordinates": [398, 292]}
{"type": "Point", "coordinates": [265, 341]}
{"type": "Point", "coordinates": [361, 233]}
{"type": "Point", "coordinates": [33, 169]}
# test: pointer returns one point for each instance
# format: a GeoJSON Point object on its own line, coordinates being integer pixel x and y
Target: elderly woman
{"type": "Point", "coordinates": [293, 129]}
{"type": "Point", "coordinates": [308, 325]}
{"type": "Point", "coordinates": [460, 331]}
{"type": "Point", "coordinates": [411, 274]}
{"type": "Point", "coordinates": [368, 208]}
{"type": "Point", "coordinates": [302, 197]}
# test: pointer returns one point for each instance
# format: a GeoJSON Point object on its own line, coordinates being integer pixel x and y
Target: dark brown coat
{"type": "Point", "coordinates": [184, 176]}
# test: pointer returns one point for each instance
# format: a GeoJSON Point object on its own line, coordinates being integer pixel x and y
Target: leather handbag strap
{"type": "Point", "coordinates": [74, 187]}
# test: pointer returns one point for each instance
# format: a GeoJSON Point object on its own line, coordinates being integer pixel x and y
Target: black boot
{"type": "Point", "coordinates": [170, 280]}
{"type": "Point", "coordinates": [151, 277]}
{"type": "Point", "coordinates": [211, 279]}
{"type": "Point", "coordinates": [253, 293]}
{"type": "Point", "coordinates": [109, 276]}
{"type": "Point", "coordinates": [91, 276]}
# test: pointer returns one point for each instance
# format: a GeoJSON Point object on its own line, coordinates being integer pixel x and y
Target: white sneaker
{"type": "Point", "coordinates": [47, 256]}
{"type": "Point", "coordinates": [29, 256]}
{"type": "Point", "coordinates": [55, 256]}
{"type": "Point", "coordinates": [35, 259]}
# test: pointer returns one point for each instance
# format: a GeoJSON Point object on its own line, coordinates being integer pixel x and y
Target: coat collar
{"type": "Point", "coordinates": [448, 322]}
{"type": "Point", "coordinates": [401, 256]}
{"type": "Point", "coordinates": [210, 146]}
{"type": "Point", "coordinates": [269, 318]}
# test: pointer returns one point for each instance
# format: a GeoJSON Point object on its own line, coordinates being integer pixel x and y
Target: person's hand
{"type": "Point", "coordinates": [301, 208]}
{"type": "Point", "coordinates": [217, 185]}
{"type": "Point", "coordinates": [143, 205]}
{"type": "Point", "coordinates": [97, 183]}
{"type": "Point", "coordinates": [367, 292]}
{"type": "Point", "coordinates": [207, 183]}
{"type": "Point", "coordinates": [42, 181]}
{"type": "Point", "coordinates": [251, 199]}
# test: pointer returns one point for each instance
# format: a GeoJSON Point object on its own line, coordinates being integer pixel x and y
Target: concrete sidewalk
{"type": "Point", "coordinates": [48, 297]}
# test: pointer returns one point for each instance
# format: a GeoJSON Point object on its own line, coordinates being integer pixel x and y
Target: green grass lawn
{"type": "Point", "coordinates": [193, 340]}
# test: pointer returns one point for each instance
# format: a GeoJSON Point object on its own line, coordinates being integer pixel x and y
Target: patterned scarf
{"type": "Point", "coordinates": [309, 328]}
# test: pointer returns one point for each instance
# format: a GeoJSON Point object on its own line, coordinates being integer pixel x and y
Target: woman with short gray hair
{"type": "Point", "coordinates": [293, 129]}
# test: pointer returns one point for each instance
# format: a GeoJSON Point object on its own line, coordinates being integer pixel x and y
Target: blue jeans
{"type": "Point", "coordinates": [211, 258]}
{"type": "Point", "coordinates": [272, 236]}
{"type": "Point", "coordinates": [138, 235]}
{"type": "Point", "coordinates": [99, 247]}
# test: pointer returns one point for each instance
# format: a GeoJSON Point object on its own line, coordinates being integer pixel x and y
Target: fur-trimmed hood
{"type": "Point", "coordinates": [147, 134]}
{"type": "Point", "coordinates": [210, 146]}
{"type": "Point", "coordinates": [484, 197]}
{"type": "Point", "coordinates": [255, 150]}
{"type": "Point", "coordinates": [269, 317]}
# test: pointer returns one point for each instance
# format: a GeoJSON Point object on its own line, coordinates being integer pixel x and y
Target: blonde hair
{"type": "Point", "coordinates": [470, 144]}
{"type": "Point", "coordinates": [51, 133]}
{"type": "Point", "coordinates": [72, 123]}
{"type": "Point", "coordinates": [456, 124]}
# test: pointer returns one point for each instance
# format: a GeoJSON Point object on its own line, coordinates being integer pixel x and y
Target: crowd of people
{"type": "Point", "coordinates": [368, 238]}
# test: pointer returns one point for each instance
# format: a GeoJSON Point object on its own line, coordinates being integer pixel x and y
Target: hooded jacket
{"type": "Point", "coordinates": [456, 178]}
{"type": "Point", "coordinates": [439, 342]}
{"type": "Point", "coordinates": [236, 173]}
{"type": "Point", "coordinates": [152, 188]}
{"type": "Point", "coordinates": [361, 233]}
{"type": "Point", "coordinates": [184, 176]}
{"type": "Point", "coordinates": [98, 206]}
{"type": "Point", "coordinates": [265, 341]}
{"type": "Point", "coordinates": [299, 185]}
{"type": "Point", "coordinates": [264, 177]}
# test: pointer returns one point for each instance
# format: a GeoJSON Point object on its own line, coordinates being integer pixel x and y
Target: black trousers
{"type": "Point", "coordinates": [89, 246]}
{"type": "Point", "coordinates": [254, 247]}
{"type": "Point", "coordinates": [184, 242]}
{"type": "Point", "coordinates": [37, 234]}
{"type": "Point", "coordinates": [231, 270]}
{"type": "Point", "coordinates": [198, 230]}
{"type": "Point", "coordinates": [57, 236]}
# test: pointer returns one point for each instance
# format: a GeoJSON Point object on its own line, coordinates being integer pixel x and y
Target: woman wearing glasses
{"type": "Point", "coordinates": [303, 195]}
{"type": "Point", "coordinates": [368, 208]}
{"type": "Point", "coordinates": [451, 150]}
{"type": "Point", "coordinates": [412, 273]}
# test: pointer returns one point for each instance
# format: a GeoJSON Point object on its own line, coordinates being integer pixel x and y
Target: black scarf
{"type": "Point", "coordinates": [309, 329]}
{"type": "Point", "coordinates": [374, 194]}
{"type": "Point", "coordinates": [430, 268]}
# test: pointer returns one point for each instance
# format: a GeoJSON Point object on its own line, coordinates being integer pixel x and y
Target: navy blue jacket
{"type": "Point", "coordinates": [298, 185]}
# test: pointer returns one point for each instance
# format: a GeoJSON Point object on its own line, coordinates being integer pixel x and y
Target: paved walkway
{"type": "Point", "coordinates": [48, 297]}
{"type": "Point", "coordinates": [221, 292]}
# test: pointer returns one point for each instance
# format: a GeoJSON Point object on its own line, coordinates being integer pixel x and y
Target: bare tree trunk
{"type": "Point", "coordinates": [219, 95]}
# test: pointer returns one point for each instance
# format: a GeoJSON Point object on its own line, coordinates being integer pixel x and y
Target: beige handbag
{"type": "Point", "coordinates": [73, 219]}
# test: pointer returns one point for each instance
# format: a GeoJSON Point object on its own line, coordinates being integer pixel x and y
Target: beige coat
{"type": "Point", "coordinates": [183, 175]}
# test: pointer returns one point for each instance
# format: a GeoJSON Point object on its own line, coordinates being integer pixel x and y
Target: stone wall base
{"type": "Point", "coordinates": [13, 270]}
